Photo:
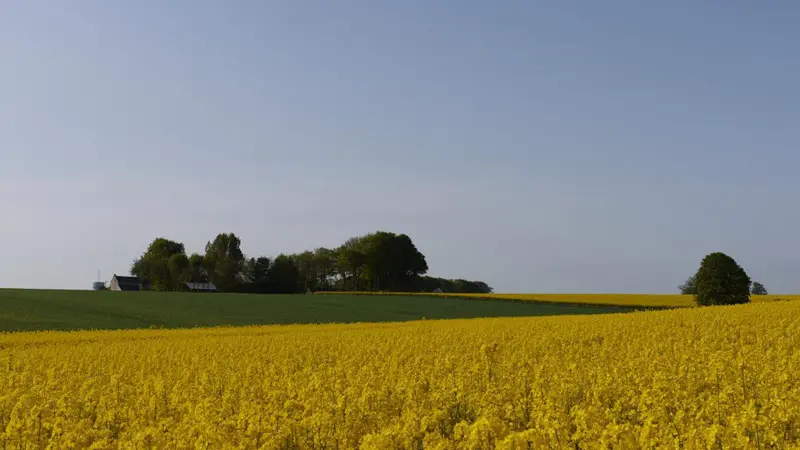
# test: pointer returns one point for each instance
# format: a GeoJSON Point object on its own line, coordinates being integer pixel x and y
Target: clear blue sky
{"type": "Point", "coordinates": [539, 146]}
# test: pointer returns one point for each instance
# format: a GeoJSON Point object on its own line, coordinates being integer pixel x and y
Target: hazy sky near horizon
{"type": "Point", "coordinates": [561, 147]}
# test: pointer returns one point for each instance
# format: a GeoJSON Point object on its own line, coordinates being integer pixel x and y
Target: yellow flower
{"type": "Point", "coordinates": [685, 378]}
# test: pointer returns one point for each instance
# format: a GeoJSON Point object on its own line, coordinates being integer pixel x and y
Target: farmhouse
{"type": "Point", "coordinates": [200, 287]}
{"type": "Point", "coordinates": [119, 283]}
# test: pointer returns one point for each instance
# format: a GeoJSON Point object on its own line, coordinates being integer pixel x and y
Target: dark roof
{"type": "Point", "coordinates": [128, 282]}
{"type": "Point", "coordinates": [124, 278]}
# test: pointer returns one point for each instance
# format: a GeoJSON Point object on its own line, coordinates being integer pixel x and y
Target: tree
{"type": "Point", "coordinates": [325, 261]}
{"type": "Point", "coordinates": [391, 260]}
{"type": "Point", "coordinates": [153, 266]}
{"type": "Point", "coordinates": [308, 271]}
{"type": "Point", "coordinates": [256, 274]}
{"type": "Point", "coordinates": [178, 265]}
{"type": "Point", "coordinates": [224, 261]}
{"type": "Point", "coordinates": [197, 269]}
{"type": "Point", "coordinates": [351, 262]}
{"type": "Point", "coordinates": [257, 269]}
{"type": "Point", "coordinates": [688, 288]}
{"type": "Point", "coordinates": [721, 281]}
{"type": "Point", "coordinates": [758, 289]}
{"type": "Point", "coordinates": [284, 277]}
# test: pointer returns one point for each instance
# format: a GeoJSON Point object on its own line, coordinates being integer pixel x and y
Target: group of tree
{"type": "Point", "coordinates": [720, 280]}
{"type": "Point", "coordinates": [379, 261]}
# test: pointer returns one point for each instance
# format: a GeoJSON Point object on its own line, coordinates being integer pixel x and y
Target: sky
{"type": "Point", "coordinates": [538, 146]}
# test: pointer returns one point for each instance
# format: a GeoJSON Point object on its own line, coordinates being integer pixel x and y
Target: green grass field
{"type": "Point", "coordinates": [69, 310]}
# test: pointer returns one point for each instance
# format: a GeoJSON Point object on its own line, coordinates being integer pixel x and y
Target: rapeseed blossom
{"type": "Point", "coordinates": [717, 377]}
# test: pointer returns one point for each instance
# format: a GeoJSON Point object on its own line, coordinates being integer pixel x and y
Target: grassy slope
{"type": "Point", "coordinates": [65, 310]}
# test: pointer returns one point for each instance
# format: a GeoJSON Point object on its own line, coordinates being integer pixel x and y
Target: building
{"type": "Point", "coordinates": [200, 287]}
{"type": "Point", "coordinates": [119, 283]}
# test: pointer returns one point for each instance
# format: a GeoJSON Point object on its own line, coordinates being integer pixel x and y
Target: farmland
{"type": "Point", "coordinates": [68, 310]}
{"type": "Point", "coordinates": [722, 377]}
{"type": "Point", "coordinates": [608, 300]}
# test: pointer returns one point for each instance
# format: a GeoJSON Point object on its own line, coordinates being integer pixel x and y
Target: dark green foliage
{"type": "Point", "coordinates": [391, 261]}
{"type": "Point", "coordinates": [197, 269]}
{"type": "Point", "coordinates": [325, 268]}
{"type": "Point", "coordinates": [306, 270]}
{"type": "Point", "coordinates": [351, 263]}
{"type": "Point", "coordinates": [178, 265]}
{"type": "Point", "coordinates": [688, 288]}
{"type": "Point", "coordinates": [430, 284]}
{"type": "Point", "coordinates": [380, 261]}
{"type": "Point", "coordinates": [758, 289]}
{"type": "Point", "coordinates": [284, 276]}
{"type": "Point", "coordinates": [67, 310]}
{"type": "Point", "coordinates": [154, 265]}
{"type": "Point", "coordinates": [257, 274]}
{"type": "Point", "coordinates": [224, 261]}
{"type": "Point", "coordinates": [721, 281]}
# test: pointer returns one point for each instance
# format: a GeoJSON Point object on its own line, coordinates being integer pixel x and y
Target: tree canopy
{"type": "Point", "coordinates": [721, 281]}
{"type": "Point", "coordinates": [154, 264]}
{"type": "Point", "coordinates": [379, 261]}
{"type": "Point", "coordinates": [225, 261]}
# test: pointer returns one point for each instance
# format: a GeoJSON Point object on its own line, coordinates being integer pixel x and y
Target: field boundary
{"type": "Point", "coordinates": [628, 301]}
{"type": "Point", "coordinates": [567, 304]}
{"type": "Point", "coordinates": [512, 298]}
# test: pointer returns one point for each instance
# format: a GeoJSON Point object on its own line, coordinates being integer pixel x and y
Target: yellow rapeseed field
{"type": "Point", "coordinates": [628, 300]}
{"type": "Point", "coordinates": [721, 377]}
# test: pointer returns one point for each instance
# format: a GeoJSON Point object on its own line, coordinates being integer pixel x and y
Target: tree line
{"type": "Point", "coordinates": [379, 261]}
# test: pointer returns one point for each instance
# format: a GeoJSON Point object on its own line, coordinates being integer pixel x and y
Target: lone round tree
{"type": "Point", "coordinates": [721, 281]}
